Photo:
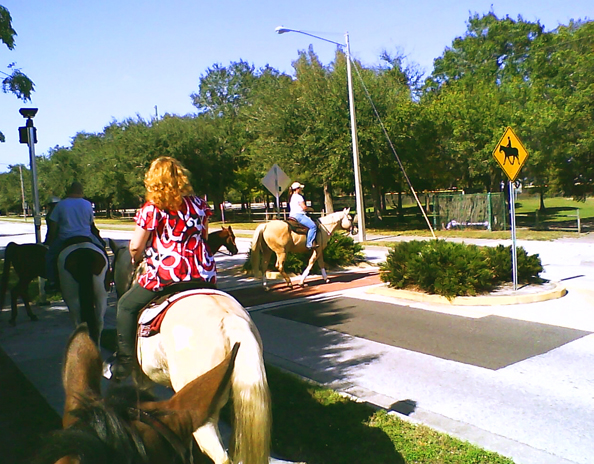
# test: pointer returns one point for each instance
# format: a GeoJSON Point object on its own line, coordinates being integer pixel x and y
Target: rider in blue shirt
{"type": "Point", "coordinates": [71, 217]}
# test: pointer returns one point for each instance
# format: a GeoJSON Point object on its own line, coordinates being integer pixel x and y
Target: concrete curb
{"type": "Point", "coordinates": [487, 300]}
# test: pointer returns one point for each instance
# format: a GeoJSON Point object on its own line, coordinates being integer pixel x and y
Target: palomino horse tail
{"type": "Point", "coordinates": [84, 265]}
{"type": "Point", "coordinates": [257, 243]}
{"type": "Point", "coordinates": [250, 443]}
{"type": "Point", "coordinates": [8, 256]}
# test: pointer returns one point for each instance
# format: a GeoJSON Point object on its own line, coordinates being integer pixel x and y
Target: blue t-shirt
{"type": "Point", "coordinates": [74, 217]}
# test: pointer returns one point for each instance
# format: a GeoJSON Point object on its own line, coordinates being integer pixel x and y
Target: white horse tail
{"type": "Point", "coordinates": [257, 241]}
{"type": "Point", "coordinates": [252, 417]}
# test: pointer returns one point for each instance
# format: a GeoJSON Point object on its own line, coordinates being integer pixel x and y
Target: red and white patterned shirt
{"type": "Point", "coordinates": [177, 250]}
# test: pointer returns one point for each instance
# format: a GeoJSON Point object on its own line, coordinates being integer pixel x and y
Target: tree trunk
{"type": "Point", "coordinates": [375, 195]}
{"type": "Point", "coordinates": [541, 207]}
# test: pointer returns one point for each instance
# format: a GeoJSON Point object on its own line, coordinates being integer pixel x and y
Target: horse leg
{"type": "Point", "coordinates": [13, 307]}
{"type": "Point", "coordinates": [323, 267]}
{"type": "Point", "coordinates": [210, 442]}
{"type": "Point", "coordinates": [280, 265]}
{"type": "Point", "coordinates": [266, 253]}
{"type": "Point", "coordinates": [20, 290]}
{"type": "Point", "coordinates": [312, 260]}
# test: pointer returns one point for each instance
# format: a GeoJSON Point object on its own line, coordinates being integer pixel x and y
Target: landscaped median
{"type": "Point", "coordinates": [503, 296]}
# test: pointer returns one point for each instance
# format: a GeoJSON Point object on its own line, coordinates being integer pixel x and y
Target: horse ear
{"type": "Point", "coordinates": [82, 371]}
{"type": "Point", "coordinates": [199, 398]}
{"type": "Point", "coordinates": [347, 210]}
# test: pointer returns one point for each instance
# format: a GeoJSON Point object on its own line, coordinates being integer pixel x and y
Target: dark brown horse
{"type": "Point", "coordinates": [122, 262]}
{"type": "Point", "coordinates": [28, 262]}
{"type": "Point", "coordinates": [128, 426]}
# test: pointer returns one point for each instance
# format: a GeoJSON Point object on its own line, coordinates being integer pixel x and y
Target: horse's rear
{"type": "Point", "coordinates": [82, 269]}
{"type": "Point", "coordinates": [28, 261]}
{"type": "Point", "coordinates": [197, 333]}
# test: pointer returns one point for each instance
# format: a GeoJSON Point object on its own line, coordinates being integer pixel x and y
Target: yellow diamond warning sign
{"type": "Point", "coordinates": [510, 154]}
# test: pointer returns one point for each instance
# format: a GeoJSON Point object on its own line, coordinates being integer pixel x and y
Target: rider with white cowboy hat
{"type": "Point", "coordinates": [298, 208]}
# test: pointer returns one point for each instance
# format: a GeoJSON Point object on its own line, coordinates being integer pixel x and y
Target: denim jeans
{"type": "Point", "coordinates": [305, 220]}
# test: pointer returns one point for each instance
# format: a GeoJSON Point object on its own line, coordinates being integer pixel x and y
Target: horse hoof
{"type": "Point", "coordinates": [327, 281]}
{"type": "Point", "coordinates": [34, 318]}
{"type": "Point", "coordinates": [12, 323]}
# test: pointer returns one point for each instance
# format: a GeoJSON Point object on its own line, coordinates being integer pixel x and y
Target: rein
{"type": "Point", "coordinates": [347, 232]}
{"type": "Point", "coordinates": [180, 448]}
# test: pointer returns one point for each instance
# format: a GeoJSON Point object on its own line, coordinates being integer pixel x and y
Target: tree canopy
{"type": "Point", "coordinates": [14, 81]}
{"type": "Point", "coordinates": [501, 72]}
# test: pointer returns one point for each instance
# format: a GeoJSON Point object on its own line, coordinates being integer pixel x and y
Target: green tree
{"type": "Point", "coordinates": [15, 82]}
{"type": "Point", "coordinates": [561, 65]}
{"type": "Point", "coordinates": [480, 85]}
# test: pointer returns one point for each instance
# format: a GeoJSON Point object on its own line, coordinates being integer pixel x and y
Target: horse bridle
{"type": "Point", "coordinates": [347, 231]}
{"type": "Point", "coordinates": [232, 239]}
{"type": "Point", "coordinates": [181, 449]}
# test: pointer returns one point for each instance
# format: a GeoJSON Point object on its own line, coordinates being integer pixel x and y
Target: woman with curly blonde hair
{"type": "Point", "coordinates": [171, 236]}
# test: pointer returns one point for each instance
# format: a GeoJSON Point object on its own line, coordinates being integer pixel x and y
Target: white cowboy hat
{"type": "Point", "coordinates": [297, 185]}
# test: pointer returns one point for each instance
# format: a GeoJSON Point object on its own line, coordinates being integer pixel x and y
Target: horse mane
{"type": "Point", "coordinates": [332, 217]}
{"type": "Point", "coordinates": [104, 432]}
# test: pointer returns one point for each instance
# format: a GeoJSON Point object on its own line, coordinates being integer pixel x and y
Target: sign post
{"type": "Point", "coordinates": [511, 156]}
{"type": "Point", "coordinates": [28, 135]}
{"type": "Point", "coordinates": [276, 181]}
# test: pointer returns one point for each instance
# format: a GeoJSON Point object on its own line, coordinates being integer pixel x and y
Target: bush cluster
{"type": "Point", "coordinates": [341, 250]}
{"type": "Point", "coordinates": [455, 269]}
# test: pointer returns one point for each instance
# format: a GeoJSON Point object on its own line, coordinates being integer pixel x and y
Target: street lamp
{"type": "Point", "coordinates": [28, 135]}
{"type": "Point", "coordinates": [358, 189]}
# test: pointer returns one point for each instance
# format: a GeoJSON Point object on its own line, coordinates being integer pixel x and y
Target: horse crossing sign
{"type": "Point", "coordinates": [510, 154]}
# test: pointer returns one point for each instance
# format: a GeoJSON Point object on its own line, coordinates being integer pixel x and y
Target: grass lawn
{"type": "Point", "coordinates": [319, 426]}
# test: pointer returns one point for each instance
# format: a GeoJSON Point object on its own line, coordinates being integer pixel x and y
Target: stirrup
{"type": "Point", "coordinates": [117, 368]}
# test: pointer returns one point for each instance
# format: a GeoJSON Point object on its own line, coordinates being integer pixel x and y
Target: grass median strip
{"type": "Point", "coordinates": [320, 426]}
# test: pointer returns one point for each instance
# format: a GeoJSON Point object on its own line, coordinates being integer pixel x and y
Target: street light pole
{"type": "Point", "coordinates": [358, 186]}
{"type": "Point", "coordinates": [28, 135]}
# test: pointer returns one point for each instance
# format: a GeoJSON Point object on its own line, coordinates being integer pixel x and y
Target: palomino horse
{"type": "Point", "coordinates": [276, 236]}
{"type": "Point", "coordinates": [82, 268]}
{"type": "Point", "coordinates": [28, 261]}
{"type": "Point", "coordinates": [197, 332]}
{"type": "Point", "coordinates": [125, 272]}
{"type": "Point", "coordinates": [128, 426]}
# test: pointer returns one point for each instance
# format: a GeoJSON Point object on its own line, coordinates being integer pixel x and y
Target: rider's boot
{"type": "Point", "coordinates": [122, 363]}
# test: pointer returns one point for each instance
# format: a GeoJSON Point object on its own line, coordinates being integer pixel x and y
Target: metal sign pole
{"type": "Point", "coordinates": [35, 191]}
{"type": "Point", "coordinates": [512, 214]}
{"type": "Point", "coordinates": [276, 191]}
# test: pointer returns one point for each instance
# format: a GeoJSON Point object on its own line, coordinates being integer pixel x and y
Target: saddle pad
{"type": "Point", "coordinates": [149, 322]}
{"type": "Point", "coordinates": [296, 226]}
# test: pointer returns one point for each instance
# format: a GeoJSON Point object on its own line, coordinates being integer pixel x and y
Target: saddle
{"type": "Point", "coordinates": [82, 239]}
{"type": "Point", "coordinates": [296, 226]}
{"type": "Point", "coordinates": [151, 317]}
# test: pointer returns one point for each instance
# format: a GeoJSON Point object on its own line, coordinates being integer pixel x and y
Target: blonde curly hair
{"type": "Point", "coordinates": [166, 182]}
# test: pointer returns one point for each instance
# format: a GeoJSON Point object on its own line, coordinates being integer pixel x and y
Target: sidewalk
{"type": "Point", "coordinates": [538, 410]}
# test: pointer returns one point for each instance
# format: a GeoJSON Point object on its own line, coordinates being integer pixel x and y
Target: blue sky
{"type": "Point", "coordinates": [98, 61]}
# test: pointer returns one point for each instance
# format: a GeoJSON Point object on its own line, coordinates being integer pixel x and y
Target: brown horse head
{"type": "Point", "coordinates": [128, 425]}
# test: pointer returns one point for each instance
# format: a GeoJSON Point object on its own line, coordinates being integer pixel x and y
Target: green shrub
{"type": "Point", "coordinates": [455, 269]}
{"type": "Point", "coordinates": [341, 250]}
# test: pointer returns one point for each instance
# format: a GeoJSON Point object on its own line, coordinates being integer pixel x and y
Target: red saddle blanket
{"type": "Point", "coordinates": [149, 322]}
